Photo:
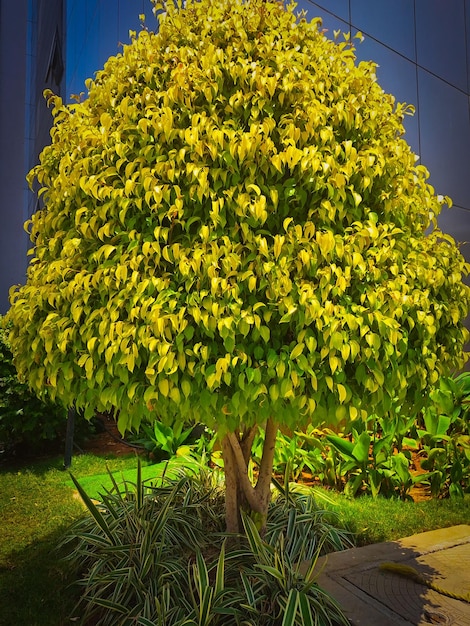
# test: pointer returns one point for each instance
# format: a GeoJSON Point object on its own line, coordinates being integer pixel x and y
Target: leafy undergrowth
{"type": "Point", "coordinates": [37, 504]}
{"type": "Point", "coordinates": [155, 553]}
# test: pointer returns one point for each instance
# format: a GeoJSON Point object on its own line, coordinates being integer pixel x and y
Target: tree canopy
{"type": "Point", "coordinates": [235, 229]}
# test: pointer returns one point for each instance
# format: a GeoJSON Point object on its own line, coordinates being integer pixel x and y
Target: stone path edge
{"type": "Point", "coordinates": [332, 569]}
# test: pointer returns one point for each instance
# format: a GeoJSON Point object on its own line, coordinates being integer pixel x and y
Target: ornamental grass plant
{"type": "Point", "coordinates": [156, 553]}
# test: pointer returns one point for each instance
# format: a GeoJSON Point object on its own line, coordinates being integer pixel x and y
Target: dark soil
{"type": "Point", "coordinates": [108, 441]}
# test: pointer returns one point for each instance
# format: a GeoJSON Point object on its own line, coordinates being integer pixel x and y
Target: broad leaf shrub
{"type": "Point", "coordinates": [163, 441]}
{"type": "Point", "coordinates": [25, 420]}
{"type": "Point", "coordinates": [376, 456]}
{"type": "Point", "coordinates": [236, 233]}
{"type": "Point", "coordinates": [443, 433]}
{"type": "Point", "coordinates": [156, 554]}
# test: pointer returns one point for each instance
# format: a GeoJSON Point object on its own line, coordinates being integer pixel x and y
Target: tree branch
{"type": "Point", "coordinates": [246, 442]}
{"type": "Point", "coordinates": [245, 483]}
{"type": "Point", "coordinates": [266, 465]}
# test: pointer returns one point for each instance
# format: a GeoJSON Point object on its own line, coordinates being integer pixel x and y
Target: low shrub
{"type": "Point", "coordinates": [444, 436]}
{"type": "Point", "coordinates": [24, 419]}
{"type": "Point", "coordinates": [157, 555]}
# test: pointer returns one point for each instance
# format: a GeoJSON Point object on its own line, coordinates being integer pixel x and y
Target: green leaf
{"type": "Point", "coordinates": [220, 571]}
{"type": "Point", "coordinates": [342, 445]}
{"type": "Point", "coordinates": [95, 512]}
{"type": "Point", "coordinates": [297, 351]}
{"type": "Point", "coordinates": [305, 610]}
{"type": "Point", "coordinates": [361, 448]}
{"type": "Point", "coordinates": [272, 571]}
{"type": "Point", "coordinates": [291, 608]}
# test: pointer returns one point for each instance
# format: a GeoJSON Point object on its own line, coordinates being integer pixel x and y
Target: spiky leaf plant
{"type": "Point", "coordinates": [156, 554]}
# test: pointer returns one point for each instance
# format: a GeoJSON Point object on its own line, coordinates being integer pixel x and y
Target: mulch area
{"type": "Point", "coordinates": [108, 441]}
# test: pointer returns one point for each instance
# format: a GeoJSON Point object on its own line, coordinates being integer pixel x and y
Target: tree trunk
{"type": "Point", "coordinates": [240, 494]}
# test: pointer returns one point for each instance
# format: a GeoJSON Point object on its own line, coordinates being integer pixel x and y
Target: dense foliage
{"type": "Point", "coordinates": [25, 420]}
{"type": "Point", "coordinates": [236, 232]}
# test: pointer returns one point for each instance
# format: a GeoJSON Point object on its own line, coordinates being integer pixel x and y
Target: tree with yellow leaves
{"type": "Point", "coordinates": [235, 232]}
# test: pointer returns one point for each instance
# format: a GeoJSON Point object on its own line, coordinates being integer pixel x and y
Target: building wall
{"type": "Point", "coordinates": [13, 45]}
{"type": "Point", "coordinates": [96, 30]}
{"type": "Point", "coordinates": [31, 58]}
{"type": "Point", "coordinates": [422, 48]}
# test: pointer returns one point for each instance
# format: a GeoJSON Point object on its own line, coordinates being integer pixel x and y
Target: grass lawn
{"type": "Point", "coordinates": [38, 502]}
{"type": "Point", "coordinates": [36, 505]}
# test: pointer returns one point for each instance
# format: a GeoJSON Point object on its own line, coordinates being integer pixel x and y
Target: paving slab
{"type": "Point", "coordinates": [370, 596]}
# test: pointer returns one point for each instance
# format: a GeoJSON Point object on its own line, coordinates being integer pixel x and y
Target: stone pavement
{"type": "Point", "coordinates": [370, 596]}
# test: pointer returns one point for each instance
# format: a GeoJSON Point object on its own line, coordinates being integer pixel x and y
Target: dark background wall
{"type": "Point", "coordinates": [31, 60]}
{"type": "Point", "coordinates": [13, 63]}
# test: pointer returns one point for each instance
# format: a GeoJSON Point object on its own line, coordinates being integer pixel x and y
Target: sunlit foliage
{"type": "Point", "coordinates": [235, 228]}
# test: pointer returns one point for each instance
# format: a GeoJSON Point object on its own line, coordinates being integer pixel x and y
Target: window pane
{"type": "Point", "coordinates": [445, 137]}
{"type": "Point", "coordinates": [396, 75]}
{"type": "Point", "coordinates": [392, 23]}
{"type": "Point", "coordinates": [440, 37]}
{"type": "Point", "coordinates": [339, 8]}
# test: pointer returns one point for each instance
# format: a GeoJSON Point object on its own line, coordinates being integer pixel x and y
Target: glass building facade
{"type": "Point", "coordinates": [422, 48]}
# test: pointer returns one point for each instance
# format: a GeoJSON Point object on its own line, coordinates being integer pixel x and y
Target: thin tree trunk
{"type": "Point", "coordinates": [232, 506]}
{"type": "Point", "coordinates": [263, 484]}
{"type": "Point", "coordinates": [240, 493]}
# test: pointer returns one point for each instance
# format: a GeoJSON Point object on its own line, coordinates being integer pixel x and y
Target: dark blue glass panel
{"type": "Point", "coordinates": [456, 222]}
{"type": "Point", "coordinates": [339, 8]}
{"type": "Point", "coordinates": [440, 38]}
{"type": "Point", "coordinates": [467, 36]}
{"type": "Point", "coordinates": [396, 75]}
{"type": "Point", "coordinates": [128, 16]}
{"type": "Point", "coordinates": [392, 23]}
{"type": "Point", "coordinates": [445, 137]}
{"type": "Point", "coordinates": [75, 36]}
{"type": "Point", "coordinates": [96, 30]}
{"type": "Point", "coordinates": [108, 44]}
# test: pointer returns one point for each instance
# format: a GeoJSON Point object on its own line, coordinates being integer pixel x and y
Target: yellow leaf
{"type": "Point", "coordinates": [274, 392]}
{"type": "Point", "coordinates": [342, 393]}
{"type": "Point", "coordinates": [175, 395]}
{"type": "Point", "coordinates": [255, 188]}
{"type": "Point", "coordinates": [274, 196]}
{"type": "Point", "coordinates": [164, 387]}
{"type": "Point", "coordinates": [297, 351]}
{"type": "Point", "coordinates": [106, 120]}
{"type": "Point", "coordinates": [186, 388]}
{"type": "Point", "coordinates": [278, 243]}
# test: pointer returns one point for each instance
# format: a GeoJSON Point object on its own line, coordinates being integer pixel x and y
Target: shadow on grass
{"type": "Point", "coordinates": [35, 585]}
{"type": "Point", "coordinates": [38, 465]}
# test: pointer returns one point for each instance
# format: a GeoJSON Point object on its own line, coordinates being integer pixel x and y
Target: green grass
{"type": "Point", "coordinates": [96, 484]}
{"type": "Point", "coordinates": [376, 520]}
{"type": "Point", "coordinates": [36, 505]}
{"type": "Point", "coordinates": [38, 502]}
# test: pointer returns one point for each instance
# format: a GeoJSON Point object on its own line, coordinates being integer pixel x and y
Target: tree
{"type": "Point", "coordinates": [235, 232]}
